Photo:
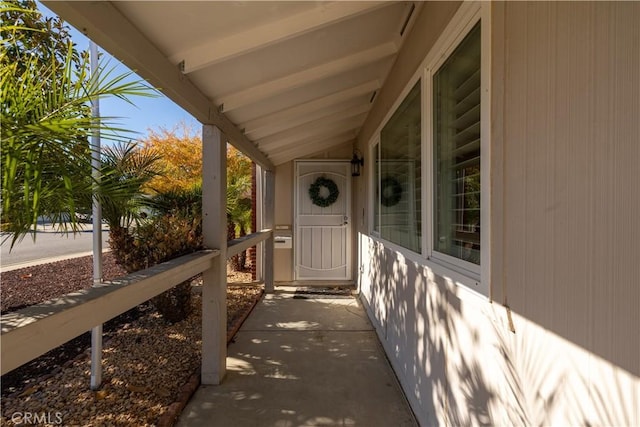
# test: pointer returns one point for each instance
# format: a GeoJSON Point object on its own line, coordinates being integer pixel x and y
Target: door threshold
{"type": "Point", "coordinates": [318, 283]}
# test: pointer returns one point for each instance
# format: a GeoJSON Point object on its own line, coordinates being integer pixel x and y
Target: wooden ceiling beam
{"type": "Point", "coordinates": [331, 120]}
{"type": "Point", "coordinates": [347, 109]}
{"type": "Point", "coordinates": [274, 87]}
{"type": "Point", "coordinates": [214, 51]}
{"type": "Point", "coordinates": [273, 144]}
{"type": "Point", "coordinates": [310, 107]}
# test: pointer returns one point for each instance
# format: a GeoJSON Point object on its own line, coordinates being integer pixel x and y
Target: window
{"type": "Point", "coordinates": [376, 180]}
{"type": "Point", "coordinates": [429, 174]}
{"type": "Point", "coordinates": [456, 152]}
{"type": "Point", "coordinates": [397, 178]}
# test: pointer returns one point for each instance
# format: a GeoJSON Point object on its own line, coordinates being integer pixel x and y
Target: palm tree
{"type": "Point", "coordinates": [238, 212]}
{"type": "Point", "coordinates": [186, 202]}
{"type": "Point", "coordinates": [46, 123]}
{"type": "Point", "coordinates": [126, 171]}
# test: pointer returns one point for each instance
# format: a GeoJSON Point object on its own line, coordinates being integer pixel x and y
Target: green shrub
{"type": "Point", "coordinates": [176, 230]}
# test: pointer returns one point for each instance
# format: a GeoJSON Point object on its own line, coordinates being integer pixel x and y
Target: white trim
{"type": "Point", "coordinates": [485, 150]}
{"type": "Point", "coordinates": [259, 222]}
{"type": "Point", "coordinates": [456, 264]}
{"type": "Point", "coordinates": [373, 153]}
{"type": "Point", "coordinates": [427, 159]}
{"type": "Point", "coordinates": [464, 19]}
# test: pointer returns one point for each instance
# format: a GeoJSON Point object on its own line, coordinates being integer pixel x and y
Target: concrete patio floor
{"type": "Point", "coordinates": [303, 360]}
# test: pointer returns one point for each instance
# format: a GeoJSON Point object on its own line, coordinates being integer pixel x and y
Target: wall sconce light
{"type": "Point", "coordinates": [356, 162]}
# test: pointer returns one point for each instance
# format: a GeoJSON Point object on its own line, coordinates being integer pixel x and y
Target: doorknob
{"type": "Point", "coordinates": [346, 220]}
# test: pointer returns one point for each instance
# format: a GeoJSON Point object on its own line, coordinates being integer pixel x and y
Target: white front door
{"type": "Point", "coordinates": [322, 233]}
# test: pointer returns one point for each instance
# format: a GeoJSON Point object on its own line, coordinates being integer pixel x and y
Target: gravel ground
{"type": "Point", "coordinates": [32, 285]}
{"type": "Point", "coordinates": [145, 361]}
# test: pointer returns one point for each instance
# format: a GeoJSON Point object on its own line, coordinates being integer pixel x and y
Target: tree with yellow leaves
{"type": "Point", "coordinates": [180, 163]}
{"type": "Point", "coordinates": [180, 153]}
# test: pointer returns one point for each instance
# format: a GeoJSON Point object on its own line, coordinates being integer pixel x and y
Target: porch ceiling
{"type": "Point", "coordinates": [281, 79]}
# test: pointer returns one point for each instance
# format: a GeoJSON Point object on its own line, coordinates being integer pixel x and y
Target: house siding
{"type": "Point", "coordinates": [571, 156]}
{"type": "Point", "coordinates": [565, 234]}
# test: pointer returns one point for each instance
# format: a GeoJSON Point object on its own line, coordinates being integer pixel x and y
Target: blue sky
{"type": "Point", "coordinates": [147, 112]}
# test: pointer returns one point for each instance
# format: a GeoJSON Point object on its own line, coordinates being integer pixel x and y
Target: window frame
{"type": "Point", "coordinates": [374, 152]}
{"type": "Point", "coordinates": [464, 267]}
{"type": "Point", "coordinates": [471, 276]}
{"type": "Point", "coordinates": [459, 27]}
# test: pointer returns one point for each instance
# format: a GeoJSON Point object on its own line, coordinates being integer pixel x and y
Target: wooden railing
{"type": "Point", "coordinates": [235, 246]}
{"type": "Point", "coordinates": [30, 332]}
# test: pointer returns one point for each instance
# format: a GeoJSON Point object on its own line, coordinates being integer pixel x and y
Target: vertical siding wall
{"type": "Point", "coordinates": [571, 157]}
{"type": "Point", "coordinates": [571, 187]}
{"type": "Point", "coordinates": [566, 239]}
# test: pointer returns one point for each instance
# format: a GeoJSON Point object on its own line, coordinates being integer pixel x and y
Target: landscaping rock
{"type": "Point", "coordinates": [148, 371]}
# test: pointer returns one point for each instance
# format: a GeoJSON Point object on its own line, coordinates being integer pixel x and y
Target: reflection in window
{"type": "Point", "coordinates": [398, 176]}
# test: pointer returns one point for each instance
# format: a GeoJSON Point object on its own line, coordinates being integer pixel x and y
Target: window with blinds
{"type": "Point", "coordinates": [456, 109]}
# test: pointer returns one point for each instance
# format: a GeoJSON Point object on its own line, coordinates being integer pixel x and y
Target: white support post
{"type": "Point", "coordinates": [96, 331]}
{"type": "Point", "coordinates": [259, 222]}
{"type": "Point", "coordinates": [214, 280]}
{"type": "Point", "coordinates": [268, 218]}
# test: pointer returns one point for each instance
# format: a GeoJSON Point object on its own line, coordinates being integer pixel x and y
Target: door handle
{"type": "Point", "coordinates": [346, 220]}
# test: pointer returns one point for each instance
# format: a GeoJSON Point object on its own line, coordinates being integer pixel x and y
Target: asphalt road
{"type": "Point", "coordinates": [49, 245]}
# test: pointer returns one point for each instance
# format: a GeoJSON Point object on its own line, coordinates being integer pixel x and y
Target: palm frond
{"type": "Point", "coordinates": [45, 126]}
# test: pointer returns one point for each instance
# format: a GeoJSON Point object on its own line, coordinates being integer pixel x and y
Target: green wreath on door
{"type": "Point", "coordinates": [316, 188]}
